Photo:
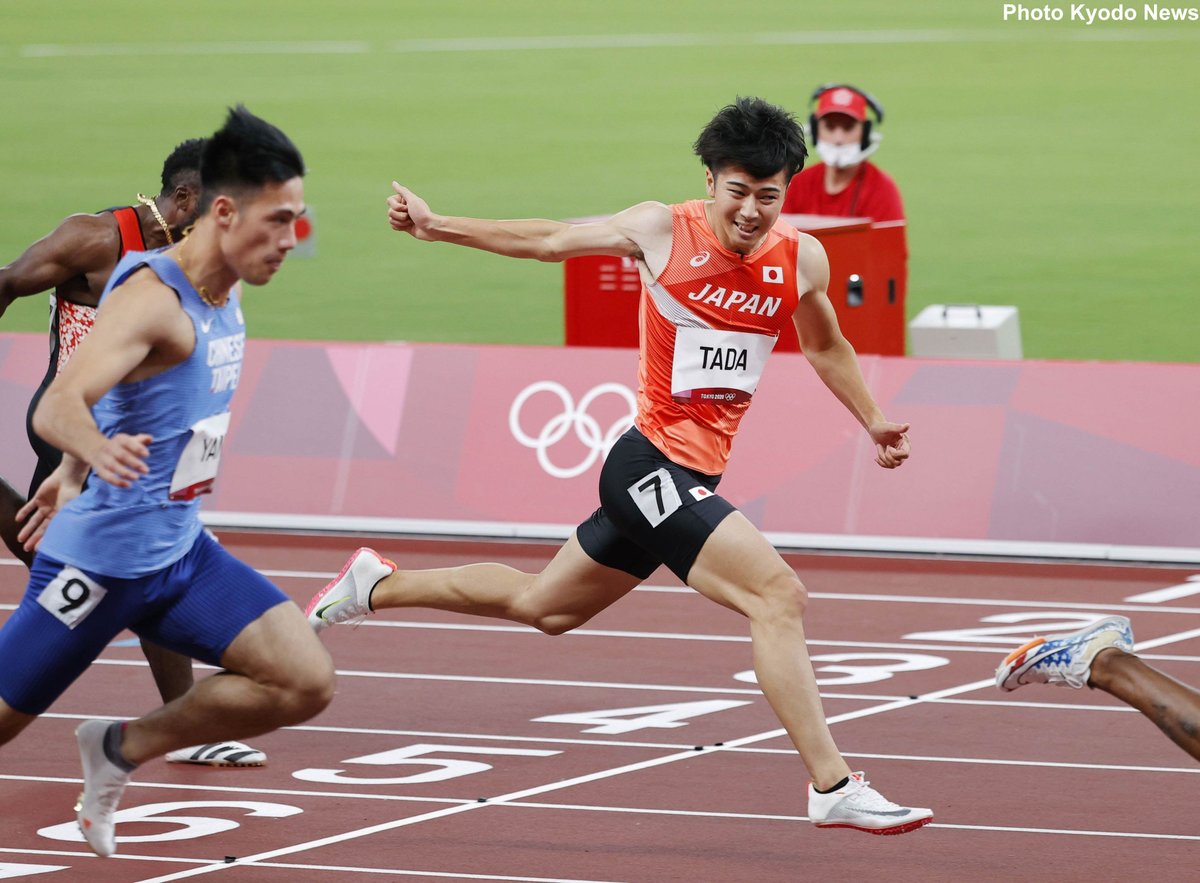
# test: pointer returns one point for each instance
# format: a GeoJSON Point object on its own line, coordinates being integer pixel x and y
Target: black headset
{"type": "Point", "coordinates": [875, 106]}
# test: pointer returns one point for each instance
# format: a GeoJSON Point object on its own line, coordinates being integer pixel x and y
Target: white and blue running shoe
{"type": "Point", "coordinates": [1064, 660]}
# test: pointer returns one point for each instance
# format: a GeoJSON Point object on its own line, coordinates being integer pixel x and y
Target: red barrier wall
{"type": "Point", "coordinates": [1028, 451]}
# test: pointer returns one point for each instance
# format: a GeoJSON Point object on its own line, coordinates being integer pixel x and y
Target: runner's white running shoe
{"type": "Point", "coordinates": [859, 806]}
{"type": "Point", "coordinates": [103, 785]}
{"type": "Point", "coordinates": [1064, 660]}
{"type": "Point", "coordinates": [348, 597]}
{"type": "Point", "coordinates": [219, 754]}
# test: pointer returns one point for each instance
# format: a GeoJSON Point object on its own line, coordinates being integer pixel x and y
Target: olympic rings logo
{"type": "Point", "coordinates": [577, 418]}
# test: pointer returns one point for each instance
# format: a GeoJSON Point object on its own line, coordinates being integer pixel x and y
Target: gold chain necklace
{"type": "Point", "coordinates": [200, 289]}
{"type": "Point", "coordinates": [147, 201]}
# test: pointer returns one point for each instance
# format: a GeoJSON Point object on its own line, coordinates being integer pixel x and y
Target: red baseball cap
{"type": "Point", "coordinates": [842, 100]}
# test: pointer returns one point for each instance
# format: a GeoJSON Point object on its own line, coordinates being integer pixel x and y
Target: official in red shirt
{"type": "Point", "coordinates": [845, 183]}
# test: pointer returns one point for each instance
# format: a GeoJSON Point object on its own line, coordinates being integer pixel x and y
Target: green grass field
{"type": "Point", "coordinates": [1050, 166]}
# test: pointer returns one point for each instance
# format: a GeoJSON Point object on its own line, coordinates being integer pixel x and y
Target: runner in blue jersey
{"type": "Point", "coordinates": [143, 405]}
{"type": "Point", "coordinates": [74, 262]}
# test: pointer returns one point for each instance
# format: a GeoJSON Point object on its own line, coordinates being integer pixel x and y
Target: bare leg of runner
{"type": "Point", "coordinates": [571, 590]}
{"type": "Point", "coordinates": [278, 674]}
{"type": "Point", "coordinates": [1172, 706]}
{"type": "Point", "coordinates": [739, 569]}
{"type": "Point", "coordinates": [172, 671]}
{"type": "Point", "coordinates": [10, 502]}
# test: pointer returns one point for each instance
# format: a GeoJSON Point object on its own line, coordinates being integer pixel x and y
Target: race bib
{"type": "Point", "coordinates": [711, 366]}
{"type": "Point", "coordinates": [71, 596]}
{"type": "Point", "coordinates": [656, 496]}
{"type": "Point", "coordinates": [197, 467]}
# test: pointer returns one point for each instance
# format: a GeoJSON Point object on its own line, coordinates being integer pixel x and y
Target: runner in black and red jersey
{"type": "Point", "coordinates": [73, 262]}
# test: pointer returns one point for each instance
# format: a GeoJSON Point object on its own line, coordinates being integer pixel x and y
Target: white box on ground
{"type": "Point", "coordinates": [965, 331]}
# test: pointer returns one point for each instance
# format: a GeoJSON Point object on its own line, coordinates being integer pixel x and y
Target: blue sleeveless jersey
{"type": "Point", "coordinates": [130, 532]}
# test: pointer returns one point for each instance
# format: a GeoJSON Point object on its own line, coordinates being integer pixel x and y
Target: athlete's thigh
{"type": "Point", "coordinates": [737, 565]}
{"type": "Point", "coordinates": [279, 647]}
{"type": "Point", "coordinates": [48, 456]}
{"type": "Point", "coordinates": [574, 583]}
{"type": "Point", "coordinates": [205, 600]}
{"type": "Point", "coordinates": [64, 621]}
{"type": "Point", "coordinates": [667, 510]}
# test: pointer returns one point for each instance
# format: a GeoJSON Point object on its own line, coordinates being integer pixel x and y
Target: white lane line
{"type": "Point", "coordinates": [664, 688]}
{"type": "Point", "coordinates": [439, 875]}
{"type": "Point", "coordinates": [529, 630]}
{"type": "Point", "coordinates": [544, 682]}
{"type": "Point", "coordinates": [1151, 606]}
{"type": "Point", "coordinates": [576, 42]}
{"type": "Point", "coordinates": [727, 639]}
{"type": "Point", "coordinates": [986, 602]}
{"type": "Point", "coordinates": [1139, 769]}
{"type": "Point", "coordinates": [182, 47]}
{"type": "Point", "coordinates": [674, 746]}
{"type": "Point", "coordinates": [1190, 586]}
{"type": "Point", "coordinates": [347, 869]}
{"type": "Point", "coordinates": [88, 854]}
{"type": "Point", "coordinates": [612, 743]}
{"type": "Point", "coordinates": [991, 761]}
{"type": "Point", "coordinates": [325, 576]}
{"type": "Point", "coordinates": [136, 783]}
{"type": "Point", "coordinates": [1165, 639]}
{"type": "Point", "coordinates": [966, 688]}
{"type": "Point", "coordinates": [322, 575]}
{"type": "Point", "coordinates": [786, 818]}
{"type": "Point", "coordinates": [1130, 835]}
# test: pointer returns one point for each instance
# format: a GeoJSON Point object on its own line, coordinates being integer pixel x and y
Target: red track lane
{"type": "Point", "coordinates": [431, 763]}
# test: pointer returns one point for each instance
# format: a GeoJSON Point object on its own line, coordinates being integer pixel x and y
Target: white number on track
{"type": "Point", "coordinates": [416, 755]}
{"type": "Point", "coordinates": [188, 827]}
{"type": "Point", "coordinates": [1191, 586]}
{"type": "Point", "coordinates": [1024, 626]}
{"type": "Point", "coordinates": [873, 667]}
{"type": "Point", "coordinates": [614, 721]}
{"type": "Point", "coordinates": [11, 870]}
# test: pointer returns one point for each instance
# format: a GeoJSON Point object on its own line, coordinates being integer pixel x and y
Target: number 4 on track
{"type": "Point", "coordinates": [614, 721]}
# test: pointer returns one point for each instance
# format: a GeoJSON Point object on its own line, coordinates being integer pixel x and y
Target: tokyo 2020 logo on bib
{"type": "Point", "coordinates": [573, 430]}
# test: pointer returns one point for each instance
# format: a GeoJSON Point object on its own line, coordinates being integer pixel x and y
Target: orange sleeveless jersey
{"type": "Point", "coordinates": [706, 327]}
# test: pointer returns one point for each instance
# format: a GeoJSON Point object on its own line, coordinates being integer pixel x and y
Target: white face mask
{"type": "Point", "coordinates": [840, 156]}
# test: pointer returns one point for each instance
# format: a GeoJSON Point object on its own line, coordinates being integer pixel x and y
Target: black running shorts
{"type": "Point", "coordinates": [652, 511]}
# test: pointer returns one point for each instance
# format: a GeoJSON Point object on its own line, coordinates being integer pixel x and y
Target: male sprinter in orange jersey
{"type": "Point", "coordinates": [720, 280]}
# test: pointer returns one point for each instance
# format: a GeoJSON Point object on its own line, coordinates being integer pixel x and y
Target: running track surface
{"type": "Point", "coordinates": [635, 750]}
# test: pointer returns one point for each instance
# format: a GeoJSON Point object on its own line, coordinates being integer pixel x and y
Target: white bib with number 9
{"type": "Point", "coordinates": [71, 596]}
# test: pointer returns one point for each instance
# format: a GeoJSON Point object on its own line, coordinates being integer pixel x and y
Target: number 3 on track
{"type": "Point", "coordinates": [861, 668]}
